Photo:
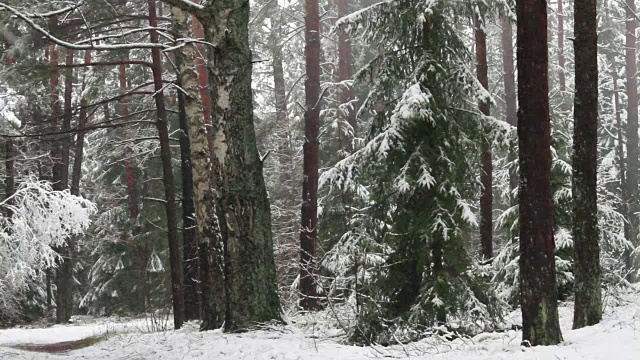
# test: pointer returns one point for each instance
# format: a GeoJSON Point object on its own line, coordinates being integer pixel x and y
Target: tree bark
{"type": "Point", "coordinates": [540, 325]}
{"type": "Point", "coordinates": [251, 295]}
{"type": "Point", "coordinates": [588, 298]}
{"type": "Point", "coordinates": [10, 155]}
{"type": "Point", "coordinates": [187, 79]}
{"type": "Point", "coordinates": [245, 221]}
{"type": "Point", "coordinates": [203, 77]}
{"type": "Point", "coordinates": [130, 172]}
{"type": "Point", "coordinates": [510, 95]}
{"type": "Point", "coordinates": [308, 233]}
{"type": "Point", "coordinates": [175, 256]}
{"type": "Point", "coordinates": [79, 148]}
{"type": "Point", "coordinates": [620, 148]}
{"type": "Point", "coordinates": [633, 202]}
{"type": "Point", "coordinates": [64, 271]}
{"type": "Point", "coordinates": [561, 59]}
{"type": "Point", "coordinates": [486, 177]}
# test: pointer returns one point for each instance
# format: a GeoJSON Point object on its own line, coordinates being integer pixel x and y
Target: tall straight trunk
{"type": "Point", "coordinates": [620, 146]}
{"type": "Point", "coordinates": [55, 111]}
{"type": "Point", "coordinates": [308, 233]}
{"type": "Point", "coordinates": [203, 77]}
{"type": "Point", "coordinates": [188, 78]}
{"type": "Point", "coordinates": [588, 305]}
{"type": "Point", "coordinates": [345, 71]}
{"type": "Point", "coordinates": [486, 177]}
{"type": "Point", "coordinates": [285, 152]}
{"type": "Point", "coordinates": [561, 59]}
{"type": "Point", "coordinates": [66, 121]}
{"type": "Point", "coordinates": [175, 256]}
{"type": "Point", "coordinates": [510, 94]}
{"type": "Point", "coordinates": [56, 178]}
{"type": "Point", "coordinates": [64, 271]}
{"type": "Point", "coordinates": [10, 153]}
{"type": "Point", "coordinates": [79, 148]}
{"type": "Point", "coordinates": [129, 166]}
{"type": "Point", "coordinates": [633, 202]}
{"type": "Point", "coordinates": [538, 292]}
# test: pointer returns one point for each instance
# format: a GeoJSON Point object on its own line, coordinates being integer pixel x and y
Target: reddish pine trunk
{"type": "Point", "coordinates": [486, 199]}
{"type": "Point", "coordinates": [632, 133]}
{"type": "Point", "coordinates": [588, 286]}
{"type": "Point", "coordinates": [203, 77]}
{"type": "Point", "coordinates": [510, 94]}
{"type": "Point", "coordinates": [540, 325]}
{"type": "Point", "coordinates": [345, 71]}
{"type": "Point", "coordinates": [310, 153]}
{"type": "Point", "coordinates": [175, 256]}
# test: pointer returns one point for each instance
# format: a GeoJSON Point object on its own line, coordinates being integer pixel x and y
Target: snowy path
{"type": "Point", "coordinates": [616, 338]}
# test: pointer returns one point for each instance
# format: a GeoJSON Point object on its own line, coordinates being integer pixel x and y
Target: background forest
{"type": "Point", "coordinates": [234, 163]}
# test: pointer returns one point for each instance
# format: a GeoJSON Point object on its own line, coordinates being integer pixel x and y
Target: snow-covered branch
{"type": "Point", "coordinates": [41, 219]}
{"type": "Point", "coordinates": [122, 46]}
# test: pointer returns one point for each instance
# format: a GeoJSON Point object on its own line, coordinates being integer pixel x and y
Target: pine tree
{"type": "Point", "coordinates": [588, 303]}
{"type": "Point", "coordinates": [538, 293]}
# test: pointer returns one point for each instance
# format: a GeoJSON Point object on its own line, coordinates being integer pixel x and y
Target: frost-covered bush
{"type": "Point", "coordinates": [35, 220]}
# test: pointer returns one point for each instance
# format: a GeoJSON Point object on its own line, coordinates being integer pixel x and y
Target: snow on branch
{"type": "Point", "coordinates": [185, 5]}
{"type": "Point", "coordinates": [41, 219]}
{"type": "Point", "coordinates": [122, 46]}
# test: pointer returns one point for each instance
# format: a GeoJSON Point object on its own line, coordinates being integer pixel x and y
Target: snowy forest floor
{"type": "Point", "coordinates": [616, 337]}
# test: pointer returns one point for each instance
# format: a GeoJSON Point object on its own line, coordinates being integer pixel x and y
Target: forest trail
{"type": "Point", "coordinates": [617, 337]}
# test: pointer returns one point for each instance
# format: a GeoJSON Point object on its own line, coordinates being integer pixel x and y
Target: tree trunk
{"type": "Point", "coordinates": [203, 78]}
{"type": "Point", "coordinates": [210, 243]}
{"type": "Point", "coordinates": [79, 149]}
{"type": "Point", "coordinates": [175, 257]}
{"type": "Point", "coordinates": [251, 295]}
{"type": "Point", "coordinates": [561, 59]}
{"type": "Point", "coordinates": [510, 95]}
{"type": "Point", "coordinates": [308, 234]}
{"type": "Point", "coordinates": [10, 156]}
{"type": "Point", "coordinates": [285, 223]}
{"type": "Point", "coordinates": [130, 172]}
{"type": "Point", "coordinates": [187, 79]}
{"type": "Point", "coordinates": [632, 135]}
{"type": "Point", "coordinates": [588, 304]}
{"type": "Point", "coordinates": [60, 178]}
{"type": "Point", "coordinates": [620, 150]}
{"type": "Point", "coordinates": [245, 219]}
{"type": "Point", "coordinates": [486, 177]}
{"type": "Point", "coordinates": [540, 325]}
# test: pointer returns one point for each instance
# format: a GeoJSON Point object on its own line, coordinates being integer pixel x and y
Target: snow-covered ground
{"type": "Point", "coordinates": [616, 338]}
